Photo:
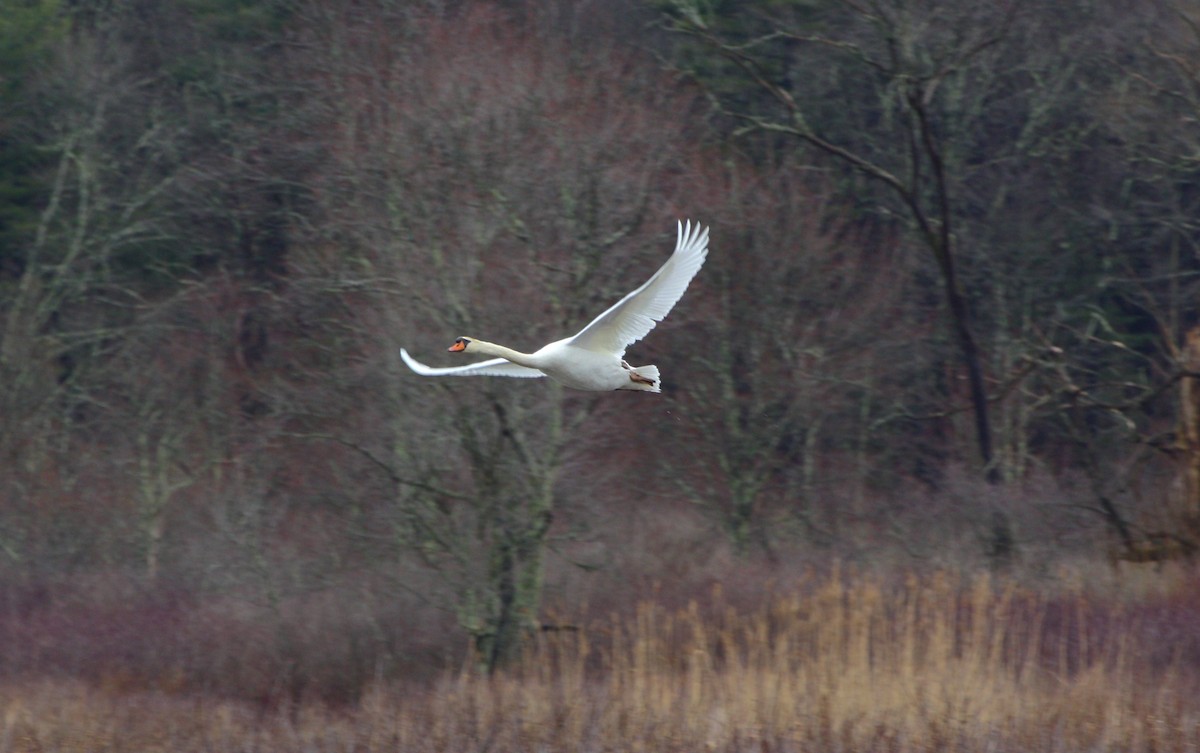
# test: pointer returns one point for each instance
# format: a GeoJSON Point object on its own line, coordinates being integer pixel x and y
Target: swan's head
{"type": "Point", "coordinates": [460, 345]}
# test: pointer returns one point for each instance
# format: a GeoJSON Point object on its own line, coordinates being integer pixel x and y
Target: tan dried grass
{"type": "Point", "coordinates": [841, 664]}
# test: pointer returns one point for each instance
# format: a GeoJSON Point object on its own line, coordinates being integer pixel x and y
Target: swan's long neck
{"type": "Point", "coordinates": [492, 349]}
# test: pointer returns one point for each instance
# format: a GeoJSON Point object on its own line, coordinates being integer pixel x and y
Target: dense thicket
{"type": "Point", "coordinates": [951, 245]}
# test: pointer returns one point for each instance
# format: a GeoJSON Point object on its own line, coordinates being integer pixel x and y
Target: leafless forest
{"type": "Point", "coordinates": [924, 475]}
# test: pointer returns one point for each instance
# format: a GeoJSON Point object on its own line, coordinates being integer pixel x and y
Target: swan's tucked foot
{"type": "Point", "coordinates": [643, 378]}
{"type": "Point", "coordinates": [636, 377]}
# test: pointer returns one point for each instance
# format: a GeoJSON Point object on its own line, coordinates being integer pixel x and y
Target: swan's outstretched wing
{"type": "Point", "coordinates": [631, 318]}
{"type": "Point", "coordinates": [492, 367]}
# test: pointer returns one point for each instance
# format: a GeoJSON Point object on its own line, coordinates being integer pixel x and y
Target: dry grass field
{"type": "Point", "coordinates": [838, 663]}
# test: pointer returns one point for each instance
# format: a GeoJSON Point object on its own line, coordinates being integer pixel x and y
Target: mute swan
{"type": "Point", "coordinates": [593, 358]}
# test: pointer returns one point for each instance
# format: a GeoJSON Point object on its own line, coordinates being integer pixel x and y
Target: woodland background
{"type": "Point", "coordinates": [947, 324]}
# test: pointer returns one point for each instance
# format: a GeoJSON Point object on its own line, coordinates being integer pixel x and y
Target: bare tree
{"type": "Point", "coordinates": [492, 178]}
{"type": "Point", "coordinates": [906, 51]}
{"type": "Point", "coordinates": [791, 310]}
{"type": "Point", "coordinates": [70, 302]}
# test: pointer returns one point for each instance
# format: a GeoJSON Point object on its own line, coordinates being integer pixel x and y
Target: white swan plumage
{"type": "Point", "coordinates": [593, 359]}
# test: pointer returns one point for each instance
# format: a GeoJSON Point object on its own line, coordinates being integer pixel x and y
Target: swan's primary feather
{"type": "Point", "coordinates": [492, 367]}
{"type": "Point", "coordinates": [631, 318]}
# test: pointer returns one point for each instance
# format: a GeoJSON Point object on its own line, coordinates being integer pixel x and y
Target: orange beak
{"type": "Point", "coordinates": [457, 347]}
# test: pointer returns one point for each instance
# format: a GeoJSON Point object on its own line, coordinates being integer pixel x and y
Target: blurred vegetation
{"type": "Point", "coordinates": [949, 319]}
{"type": "Point", "coordinates": [844, 663]}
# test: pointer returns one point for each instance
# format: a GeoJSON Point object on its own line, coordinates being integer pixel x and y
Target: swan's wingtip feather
{"type": "Point", "coordinates": [411, 362]}
{"type": "Point", "coordinates": [691, 236]}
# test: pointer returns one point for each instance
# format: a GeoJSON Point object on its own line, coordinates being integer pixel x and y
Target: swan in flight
{"type": "Point", "coordinates": [593, 359]}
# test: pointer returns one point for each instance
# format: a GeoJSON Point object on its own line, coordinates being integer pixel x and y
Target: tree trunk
{"type": "Point", "coordinates": [1189, 431]}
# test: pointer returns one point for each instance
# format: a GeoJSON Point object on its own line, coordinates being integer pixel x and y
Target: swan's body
{"type": "Point", "coordinates": [593, 359]}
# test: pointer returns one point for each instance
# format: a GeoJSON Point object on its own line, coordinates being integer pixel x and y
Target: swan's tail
{"type": "Point", "coordinates": [644, 378]}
